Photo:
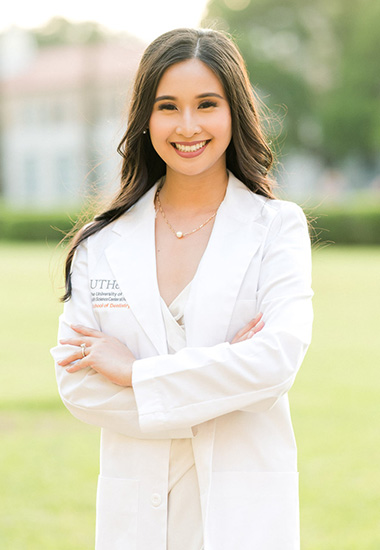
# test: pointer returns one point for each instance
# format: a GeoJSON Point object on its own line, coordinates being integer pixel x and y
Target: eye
{"type": "Point", "coordinates": [207, 104]}
{"type": "Point", "coordinates": [167, 107]}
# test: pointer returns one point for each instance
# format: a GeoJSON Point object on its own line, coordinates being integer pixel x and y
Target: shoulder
{"type": "Point", "coordinates": [126, 225]}
{"type": "Point", "coordinates": [99, 239]}
{"type": "Point", "coordinates": [278, 211]}
{"type": "Point", "coordinates": [263, 210]}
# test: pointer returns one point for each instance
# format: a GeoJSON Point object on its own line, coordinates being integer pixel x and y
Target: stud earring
{"type": "Point", "coordinates": [144, 132]}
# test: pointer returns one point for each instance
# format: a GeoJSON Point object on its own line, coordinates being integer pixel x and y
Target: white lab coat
{"type": "Point", "coordinates": [230, 399]}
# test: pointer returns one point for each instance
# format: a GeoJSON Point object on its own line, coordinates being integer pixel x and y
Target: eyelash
{"type": "Point", "coordinates": [172, 107]}
{"type": "Point", "coordinates": [207, 104]}
{"type": "Point", "coordinates": [166, 107]}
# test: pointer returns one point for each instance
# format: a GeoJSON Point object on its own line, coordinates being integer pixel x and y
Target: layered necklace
{"type": "Point", "coordinates": [181, 234]}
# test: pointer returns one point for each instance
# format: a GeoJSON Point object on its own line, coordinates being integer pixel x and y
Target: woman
{"type": "Point", "coordinates": [161, 342]}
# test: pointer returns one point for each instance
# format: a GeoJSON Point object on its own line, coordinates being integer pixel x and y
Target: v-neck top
{"type": "Point", "coordinates": [174, 320]}
{"type": "Point", "coordinates": [181, 452]}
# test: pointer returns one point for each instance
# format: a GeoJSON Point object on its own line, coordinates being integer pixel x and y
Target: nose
{"type": "Point", "coordinates": [188, 124]}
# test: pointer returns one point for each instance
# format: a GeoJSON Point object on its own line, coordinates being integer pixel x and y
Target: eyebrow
{"type": "Point", "coordinates": [200, 96]}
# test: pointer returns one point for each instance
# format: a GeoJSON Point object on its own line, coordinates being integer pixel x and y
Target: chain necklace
{"type": "Point", "coordinates": [180, 234]}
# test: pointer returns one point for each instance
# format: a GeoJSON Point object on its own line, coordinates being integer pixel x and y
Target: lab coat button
{"type": "Point", "coordinates": [156, 499]}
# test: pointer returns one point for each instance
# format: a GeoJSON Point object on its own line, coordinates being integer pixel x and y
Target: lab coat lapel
{"type": "Point", "coordinates": [219, 276]}
{"type": "Point", "coordinates": [235, 239]}
{"type": "Point", "coordinates": [132, 258]}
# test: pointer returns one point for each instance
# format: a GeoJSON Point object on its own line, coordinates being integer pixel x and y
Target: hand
{"type": "Point", "coordinates": [105, 354]}
{"type": "Point", "coordinates": [253, 327]}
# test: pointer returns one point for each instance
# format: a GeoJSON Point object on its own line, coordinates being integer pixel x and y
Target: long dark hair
{"type": "Point", "coordinates": [248, 155]}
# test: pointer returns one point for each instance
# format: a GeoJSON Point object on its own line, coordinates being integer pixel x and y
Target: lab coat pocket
{"type": "Point", "coordinates": [255, 510]}
{"type": "Point", "coordinates": [116, 510]}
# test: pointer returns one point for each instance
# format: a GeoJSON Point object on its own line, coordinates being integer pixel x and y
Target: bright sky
{"type": "Point", "coordinates": [144, 18]}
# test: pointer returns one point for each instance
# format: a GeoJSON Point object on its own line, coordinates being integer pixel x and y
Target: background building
{"type": "Point", "coordinates": [61, 120]}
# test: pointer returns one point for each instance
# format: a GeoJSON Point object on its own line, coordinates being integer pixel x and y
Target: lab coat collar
{"type": "Point", "coordinates": [133, 260]}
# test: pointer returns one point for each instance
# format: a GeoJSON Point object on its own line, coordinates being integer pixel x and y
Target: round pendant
{"type": "Point", "coordinates": [179, 234]}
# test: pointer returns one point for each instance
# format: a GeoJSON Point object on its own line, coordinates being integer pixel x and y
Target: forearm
{"type": "Point", "coordinates": [198, 384]}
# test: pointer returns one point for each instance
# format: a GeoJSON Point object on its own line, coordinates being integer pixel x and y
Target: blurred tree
{"type": "Point", "coordinates": [320, 59]}
{"type": "Point", "coordinates": [350, 110]}
{"type": "Point", "coordinates": [59, 30]}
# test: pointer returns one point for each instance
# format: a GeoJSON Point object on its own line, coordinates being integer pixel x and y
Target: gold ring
{"type": "Point", "coordinates": [83, 346]}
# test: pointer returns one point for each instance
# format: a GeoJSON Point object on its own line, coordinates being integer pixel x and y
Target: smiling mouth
{"type": "Point", "coordinates": [190, 148]}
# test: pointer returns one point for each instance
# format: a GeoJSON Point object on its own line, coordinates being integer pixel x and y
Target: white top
{"type": "Point", "coordinates": [181, 452]}
{"type": "Point", "coordinates": [174, 321]}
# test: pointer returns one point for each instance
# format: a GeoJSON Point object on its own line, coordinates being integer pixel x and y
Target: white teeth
{"type": "Point", "coordinates": [189, 148]}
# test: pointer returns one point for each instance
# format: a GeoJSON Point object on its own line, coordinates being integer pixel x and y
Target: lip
{"type": "Point", "coordinates": [190, 154]}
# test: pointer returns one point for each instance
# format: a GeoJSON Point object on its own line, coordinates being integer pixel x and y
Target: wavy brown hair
{"type": "Point", "coordinates": [248, 155]}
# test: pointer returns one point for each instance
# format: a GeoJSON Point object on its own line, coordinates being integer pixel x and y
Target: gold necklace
{"type": "Point", "coordinates": [180, 234]}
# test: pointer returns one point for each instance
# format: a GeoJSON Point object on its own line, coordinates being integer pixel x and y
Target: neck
{"type": "Point", "coordinates": [196, 193]}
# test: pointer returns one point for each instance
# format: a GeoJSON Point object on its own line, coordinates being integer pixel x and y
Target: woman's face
{"type": "Point", "coordinates": [190, 125]}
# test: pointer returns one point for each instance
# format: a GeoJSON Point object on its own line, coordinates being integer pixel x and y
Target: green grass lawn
{"type": "Point", "coordinates": [49, 460]}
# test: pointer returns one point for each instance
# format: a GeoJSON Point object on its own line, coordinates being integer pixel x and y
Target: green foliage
{"type": "Point", "coordinates": [49, 460]}
{"type": "Point", "coordinates": [350, 112]}
{"type": "Point", "coordinates": [34, 226]}
{"type": "Point", "coordinates": [340, 225]}
{"type": "Point", "coordinates": [58, 31]}
{"type": "Point", "coordinates": [348, 225]}
{"type": "Point", "coordinates": [320, 60]}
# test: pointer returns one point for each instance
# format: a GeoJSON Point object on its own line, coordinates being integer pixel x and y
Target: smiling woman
{"type": "Point", "coordinates": [188, 376]}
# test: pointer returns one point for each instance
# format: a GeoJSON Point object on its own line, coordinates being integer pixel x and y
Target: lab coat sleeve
{"type": "Point", "coordinates": [198, 384]}
{"type": "Point", "coordinates": [88, 395]}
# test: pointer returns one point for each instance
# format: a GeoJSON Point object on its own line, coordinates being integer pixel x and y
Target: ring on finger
{"type": "Point", "coordinates": [83, 346]}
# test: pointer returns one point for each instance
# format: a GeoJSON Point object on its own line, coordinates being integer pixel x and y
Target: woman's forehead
{"type": "Point", "coordinates": [187, 77]}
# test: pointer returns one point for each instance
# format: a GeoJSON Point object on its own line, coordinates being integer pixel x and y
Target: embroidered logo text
{"type": "Point", "coordinates": [106, 293]}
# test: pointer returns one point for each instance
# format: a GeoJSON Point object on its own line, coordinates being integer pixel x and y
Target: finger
{"type": "Point", "coordinates": [254, 331]}
{"type": "Point", "coordinates": [257, 328]}
{"type": "Point", "coordinates": [250, 333]}
{"type": "Point", "coordinates": [247, 328]}
{"type": "Point", "coordinates": [254, 321]}
{"type": "Point", "coordinates": [251, 324]}
{"type": "Point", "coordinates": [76, 341]}
{"type": "Point", "coordinates": [79, 365]}
{"type": "Point", "coordinates": [86, 331]}
{"type": "Point", "coordinates": [70, 359]}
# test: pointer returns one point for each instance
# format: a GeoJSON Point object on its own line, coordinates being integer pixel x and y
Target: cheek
{"type": "Point", "coordinates": [159, 131]}
{"type": "Point", "coordinates": [228, 123]}
{"type": "Point", "coordinates": [224, 128]}
{"type": "Point", "coordinates": [159, 126]}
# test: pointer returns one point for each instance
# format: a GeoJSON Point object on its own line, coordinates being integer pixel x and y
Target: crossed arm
{"type": "Point", "coordinates": [113, 359]}
{"type": "Point", "coordinates": [172, 393]}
